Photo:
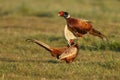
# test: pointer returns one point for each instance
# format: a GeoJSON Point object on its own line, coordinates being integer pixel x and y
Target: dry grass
{"type": "Point", "coordinates": [22, 19]}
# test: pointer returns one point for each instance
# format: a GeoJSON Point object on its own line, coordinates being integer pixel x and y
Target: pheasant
{"type": "Point", "coordinates": [70, 54]}
{"type": "Point", "coordinates": [78, 27]}
{"type": "Point", "coordinates": [66, 53]}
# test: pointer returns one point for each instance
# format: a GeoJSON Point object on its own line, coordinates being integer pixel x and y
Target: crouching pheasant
{"type": "Point", "coordinates": [78, 27]}
{"type": "Point", "coordinates": [66, 53]}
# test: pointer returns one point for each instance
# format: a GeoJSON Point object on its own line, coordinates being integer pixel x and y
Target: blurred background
{"type": "Point", "coordinates": [38, 19]}
{"type": "Point", "coordinates": [41, 16]}
{"type": "Point", "coordinates": [80, 8]}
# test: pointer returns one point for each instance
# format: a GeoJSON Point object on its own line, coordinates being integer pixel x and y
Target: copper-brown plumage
{"type": "Point", "coordinates": [79, 26]}
{"type": "Point", "coordinates": [69, 54]}
{"type": "Point", "coordinates": [58, 52]}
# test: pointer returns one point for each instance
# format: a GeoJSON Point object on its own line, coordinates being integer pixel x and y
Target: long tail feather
{"type": "Point", "coordinates": [42, 44]}
{"type": "Point", "coordinates": [99, 34]}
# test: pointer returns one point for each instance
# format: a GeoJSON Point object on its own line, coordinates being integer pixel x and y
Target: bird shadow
{"type": "Point", "coordinates": [28, 60]}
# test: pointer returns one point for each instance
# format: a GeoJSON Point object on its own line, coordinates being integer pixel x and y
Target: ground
{"type": "Point", "coordinates": [35, 19]}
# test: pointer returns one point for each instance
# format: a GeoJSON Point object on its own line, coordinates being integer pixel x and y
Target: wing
{"type": "Point", "coordinates": [79, 25]}
{"type": "Point", "coordinates": [68, 53]}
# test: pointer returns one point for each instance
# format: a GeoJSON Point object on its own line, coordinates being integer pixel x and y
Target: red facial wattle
{"type": "Point", "coordinates": [61, 13]}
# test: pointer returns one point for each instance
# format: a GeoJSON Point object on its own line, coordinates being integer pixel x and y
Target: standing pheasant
{"type": "Point", "coordinates": [78, 27]}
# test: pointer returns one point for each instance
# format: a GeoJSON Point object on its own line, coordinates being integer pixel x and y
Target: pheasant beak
{"type": "Point", "coordinates": [71, 42]}
{"type": "Point", "coordinates": [58, 14]}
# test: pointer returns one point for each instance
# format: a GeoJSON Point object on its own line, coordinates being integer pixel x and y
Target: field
{"type": "Point", "coordinates": [37, 19]}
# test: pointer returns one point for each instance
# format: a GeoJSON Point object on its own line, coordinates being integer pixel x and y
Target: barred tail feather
{"type": "Point", "coordinates": [99, 34]}
{"type": "Point", "coordinates": [42, 44]}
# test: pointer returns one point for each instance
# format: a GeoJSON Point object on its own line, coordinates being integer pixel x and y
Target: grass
{"type": "Point", "coordinates": [22, 19]}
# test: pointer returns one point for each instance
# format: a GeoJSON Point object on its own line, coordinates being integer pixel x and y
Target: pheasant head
{"type": "Point", "coordinates": [64, 14]}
